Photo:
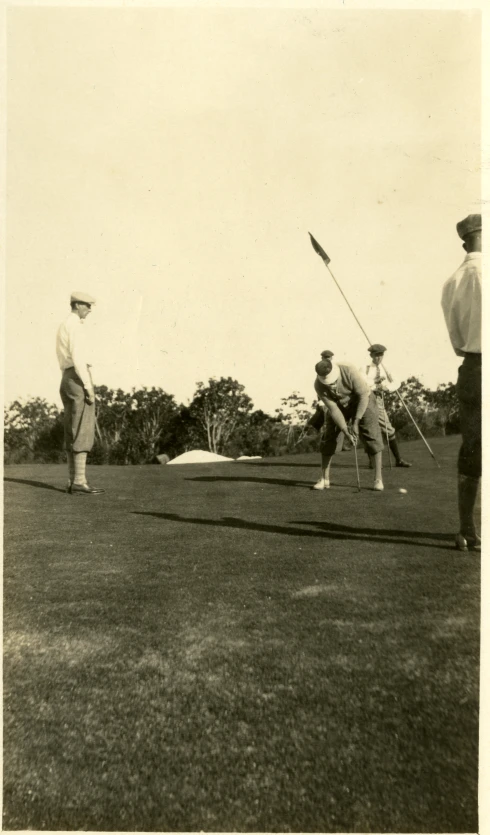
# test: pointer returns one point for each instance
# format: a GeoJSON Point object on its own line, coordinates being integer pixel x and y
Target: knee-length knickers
{"type": "Point", "coordinates": [79, 415]}
{"type": "Point", "coordinates": [384, 421]}
{"type": "Point", "coordinates": [369, 429]}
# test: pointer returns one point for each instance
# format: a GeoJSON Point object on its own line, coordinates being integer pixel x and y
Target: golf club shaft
{"type": "Point", "coordinates": [357, 467]}
{"type": "Point", "coordinates": [97, 429]}
{"type": "Point", "coordinates": [302, 435]}
{"type": "Point", "coordinates": [416, 427]}
{"type": "Point", "coordinates": [389, 377]}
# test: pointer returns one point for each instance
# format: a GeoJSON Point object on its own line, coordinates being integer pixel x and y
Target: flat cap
{"type": "Point", "coordinates": [329, 370]}
{"type": "Point", "coordinates": [376, 348]}
{"type": "Point", "coordinates": [325, 355]}
{"type": "Point", "coordinates": [470, 224]}
{"type": "Point", "coordinates": [323, 368]}
{"type": "Point", "coordinates": [80, 296]}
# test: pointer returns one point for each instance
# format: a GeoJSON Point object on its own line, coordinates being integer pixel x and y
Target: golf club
{"type": "Point", "coordinates": [302, 435]}
{"type": "Point", "coordinates": [357, 467]}
{"type": "Point", "coordinates": [97, 429]}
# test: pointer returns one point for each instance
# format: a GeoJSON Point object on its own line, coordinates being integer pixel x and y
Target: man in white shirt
{"type": "Point", "coordinates": [379, 382]}
{"type": "Point", "coordinates": [77, 392]}
{"type": "Point", "coordinates": [462, 306]}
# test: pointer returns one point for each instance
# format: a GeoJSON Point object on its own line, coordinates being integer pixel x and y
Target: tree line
{"type": "Point", "coordinates": [135, 427]}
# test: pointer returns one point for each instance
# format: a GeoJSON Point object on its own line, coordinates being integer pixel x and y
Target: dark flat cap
{"type": "Point", "coordinates": [470, 224]}
{"type": "Point", "coordinates": [323, 368]}
{"type": "Point", "coordinates": [325, 355]}
{"type": "Point", "coordinates": [376, 348]}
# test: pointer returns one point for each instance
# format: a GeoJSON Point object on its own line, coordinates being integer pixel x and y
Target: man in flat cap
{"type": "Point", "coordinates": [380, 382]}
{"type": "Point", "coordinates": [462, 307]}
{"type": "Point", "coordinates": [77, 392]}
{"type": "Point", "coordinates": [343, 395]}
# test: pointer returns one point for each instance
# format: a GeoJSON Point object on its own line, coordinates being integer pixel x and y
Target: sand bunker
{"type": "Point", "coordinates": [198, 456]}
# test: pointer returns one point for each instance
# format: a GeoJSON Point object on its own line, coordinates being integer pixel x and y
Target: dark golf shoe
{"type": "Point", "coordinates": [467, 543]}
{"type": "Point", "coordinates": [402, 463]}
{"type": "Point", "coordinates": [84, 490]}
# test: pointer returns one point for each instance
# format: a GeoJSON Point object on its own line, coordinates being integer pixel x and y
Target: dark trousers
{"type": "Point", "coordinates": [468, 389]}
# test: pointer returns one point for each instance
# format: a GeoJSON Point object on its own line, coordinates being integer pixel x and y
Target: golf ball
{"type": "Point", "coordinates": [402, 490]}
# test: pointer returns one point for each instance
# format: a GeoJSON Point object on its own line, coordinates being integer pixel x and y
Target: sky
{"type": "Point", "coordinates": [171, 162]}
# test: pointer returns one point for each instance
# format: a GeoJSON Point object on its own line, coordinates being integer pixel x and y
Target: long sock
{"type": "Point", "coordinates": [70, 457]}
{"type": "Point", "coordinates": [80, 465]}
{"type": "Point", "coordinates": [394, 448]}
{"type": "Point", "coordinates": [467, 493]}
{"type": "Point", "coordinates": [326, 461]}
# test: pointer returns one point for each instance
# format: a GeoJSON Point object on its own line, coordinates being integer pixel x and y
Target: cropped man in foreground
{"type": "Point", "coordinates": [77, 392]}
{"type": "Point", "coordinates": [461, 304]}
{"type": "Point", "coordinates": [343, 395]}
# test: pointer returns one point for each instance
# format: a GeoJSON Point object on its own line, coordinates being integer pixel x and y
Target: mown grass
{"type": "Point", "coordinates": [217, 648]}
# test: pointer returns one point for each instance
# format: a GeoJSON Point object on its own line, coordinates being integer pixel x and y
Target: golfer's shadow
{"type": "Point", "coordinates": [282, 482]}
{"type": "Point", "coordinates": [274, 464]}
{"type": "Point", "coordinates": [345, 464]}
{"type": "Point", "coordinates": [328, 530]}
{"type": "Point", "coordinates": [331, 527]}
{"type": "Point", "coordinates": [36, 484]}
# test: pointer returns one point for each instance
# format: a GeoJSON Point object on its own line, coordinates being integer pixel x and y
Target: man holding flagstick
{"type": "Point", "coordinates": [380, 382]}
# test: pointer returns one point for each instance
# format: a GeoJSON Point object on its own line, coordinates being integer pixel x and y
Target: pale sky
{"type": "Point", "coordinates": [171, 162]}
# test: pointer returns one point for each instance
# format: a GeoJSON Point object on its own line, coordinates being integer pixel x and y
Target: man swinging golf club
{"type": "Point", "coordinates": [381, 382]}
{"type": "Point", "coordinates": [344, 395]}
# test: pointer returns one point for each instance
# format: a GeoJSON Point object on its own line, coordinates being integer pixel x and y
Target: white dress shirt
{"type": "Point", "coordinates": [378, 378]}
{"type": "Point", "coordinates": [72, 349]}
{"type": "Point", "coordinates": [462, 306]}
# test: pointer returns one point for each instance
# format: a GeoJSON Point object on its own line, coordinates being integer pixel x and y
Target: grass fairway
{"type": "Point", "coordinates": [216, 647]}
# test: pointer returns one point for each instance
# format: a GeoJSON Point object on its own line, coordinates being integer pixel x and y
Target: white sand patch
{"type": "Point", "coordinates": [198, 456]}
